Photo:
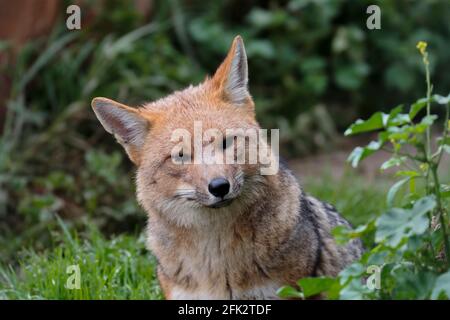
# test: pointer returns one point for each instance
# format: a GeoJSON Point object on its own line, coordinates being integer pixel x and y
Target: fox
{"type": "Point", "coordinates": [221, 230]}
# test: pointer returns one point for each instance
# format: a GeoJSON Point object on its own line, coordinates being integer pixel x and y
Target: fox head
{"type": "Point", "coordinates": [170, 179]}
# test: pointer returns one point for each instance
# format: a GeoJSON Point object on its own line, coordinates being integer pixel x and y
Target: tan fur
{"type": "Point", "coordinates": [272, 234]}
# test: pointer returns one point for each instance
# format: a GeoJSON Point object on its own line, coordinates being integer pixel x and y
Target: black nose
{"type": "Point", "coordinates": [219, 187]}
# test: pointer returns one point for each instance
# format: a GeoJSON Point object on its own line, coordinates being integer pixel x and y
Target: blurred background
{"type": "Point", "coordinates": [314, 69]}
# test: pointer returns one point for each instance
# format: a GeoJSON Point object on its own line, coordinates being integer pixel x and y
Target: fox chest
{"type": "Point", "coordinates": [215, 267]}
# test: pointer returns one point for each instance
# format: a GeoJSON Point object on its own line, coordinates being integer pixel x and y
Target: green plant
{"type": "Point", "coordinates": [321, 54]}
{"type": "Point", "coordinates": [118, 268]}
{"type": "Point", "coordinates": [412, 250]}
{"type": "Point", "coordinates": [53, 157]}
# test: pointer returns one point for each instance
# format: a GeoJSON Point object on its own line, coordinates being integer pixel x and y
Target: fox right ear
{"type": "Point", "coordinates": [232, 76]}
{"type": "Point", "coordinates": [128, 125]}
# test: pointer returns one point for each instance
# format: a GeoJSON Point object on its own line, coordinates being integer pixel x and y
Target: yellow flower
{"type": "Point", "coordinates": [424, 167]}
{"type": "Point", "coordinates": [422, 46]}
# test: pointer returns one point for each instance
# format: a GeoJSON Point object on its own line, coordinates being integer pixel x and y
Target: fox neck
{"type": "Point", "coordinates": [232, 248]}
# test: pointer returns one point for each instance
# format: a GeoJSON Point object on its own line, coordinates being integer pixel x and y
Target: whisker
{"type": "Point", "coordinates": [188, 194]}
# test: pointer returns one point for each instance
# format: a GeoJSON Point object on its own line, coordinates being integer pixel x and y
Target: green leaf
{"type": "Point", "coordinates": [343, 234]}
{"type": "Point", "coordinates": [446, 148]}
{"type": "Point", "coordinates": [442, 287]}
{"type": "Point", "coordinates": [407, 173]}
{"type": "Point", "coordinates": [394, 161]}
{"type": "Point", "coordinates": [441, 99]}
{"type": "Point", "coordinates": [445, 193]}
{"type": "Point", "coordinates": [314, 286]}
{"type": "Point", "coordinates": [416, 107]}
{"type": "Point", "coordinates": [398, 134]}
{"type": "Point", "coordinates": [354, 290]}
{"type": "Point", "coordinates": [394, 112]}
{"type": "Point", "coordinates": [428, 120]}
{"type": "Point", "coordinates": [399, 120]}
{"type": "Point", "coordinates": [355, 157]}
{"type": "Point", "coordinates": [397, 224]}
{"type": "Point", "coordinates": [424, 205]}
{"type": "Point", "coordinates": [393, 191]}
{"type": "Point", "coordinates": [396, 118]}
{"type": "Point", "coordinates": [443, 141]}
{"type": "Point", "coordinates": [360, 153]}
{"type": "Point", "coordinates": [413, 285]}
{"type": "Point", "coordinates": [377, 258]}
{"type": "Point", "coordinates": [289, 292]}
{"type": "Point", "coordinates": [355, 270]}
{"type": "Point", "coordinates": [376, 121]}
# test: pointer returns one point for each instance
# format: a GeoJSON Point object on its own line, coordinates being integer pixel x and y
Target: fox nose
{"type": "Point", "coordinates": [219, 187]}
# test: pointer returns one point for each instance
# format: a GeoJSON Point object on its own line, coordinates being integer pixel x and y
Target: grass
{"type": "Point", "coordinates": [355, 198]}
{"type": "Point", "coordinates": [121, 267]}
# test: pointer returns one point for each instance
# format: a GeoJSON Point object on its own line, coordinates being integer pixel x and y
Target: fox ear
{"type": "Point", "coordinates": [232, 75]}
{"type": "Point", "coordinates": [127, 124]}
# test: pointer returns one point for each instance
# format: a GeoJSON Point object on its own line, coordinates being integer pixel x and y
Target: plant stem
{"type": "Point", "coordinates": [444, 135]}
{"type": "Point", "coordinates": [433, 166]}
{"type": "Point", "coordinates": [437, 188]}
{"type": "Point", "coordinates": [427, 147]}
{"type": "Point", "coordinates": [428, 133]}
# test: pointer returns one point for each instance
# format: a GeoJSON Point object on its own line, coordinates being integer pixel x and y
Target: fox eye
{"type": "Point", "coordinates": [180, 157]}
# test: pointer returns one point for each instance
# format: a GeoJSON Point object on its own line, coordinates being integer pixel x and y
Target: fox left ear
{"type": "Point", "coordinates": [128, 125]}
{"type": "Point", "coordinates": [232, 75]}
